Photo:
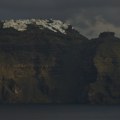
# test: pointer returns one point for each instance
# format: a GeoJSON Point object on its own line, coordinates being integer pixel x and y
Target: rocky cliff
{"type": "Point", "coordinates": [47, 61]}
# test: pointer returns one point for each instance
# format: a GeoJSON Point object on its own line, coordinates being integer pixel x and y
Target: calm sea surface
{"type": "Point", "coordinates": [59, 112]}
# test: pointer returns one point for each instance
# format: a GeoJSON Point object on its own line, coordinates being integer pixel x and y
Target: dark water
{"type": "Point", "coordinates": [59, 112]}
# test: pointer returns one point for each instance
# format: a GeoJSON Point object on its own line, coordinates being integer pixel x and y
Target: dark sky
{"type": "Point", "coordinates": [88, 16]}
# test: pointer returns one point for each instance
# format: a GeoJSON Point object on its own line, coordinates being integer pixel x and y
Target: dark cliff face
{"type": "Point", "coordinates": [43, 66]}
{"type": "Point", "coordinates": [106, 88]}
{"type": "Point", "coordinates": [40, 65]}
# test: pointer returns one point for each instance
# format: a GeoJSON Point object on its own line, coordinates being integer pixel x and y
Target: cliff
{"type": "Point", "coordinates": [47, 61]}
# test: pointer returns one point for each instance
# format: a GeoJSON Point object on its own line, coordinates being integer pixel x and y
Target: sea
{"type": "Point", "coordinates": [59, 112]}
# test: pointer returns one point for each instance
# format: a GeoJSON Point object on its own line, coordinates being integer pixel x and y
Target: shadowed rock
{"type": "Point", "coordinates": [106, 34]}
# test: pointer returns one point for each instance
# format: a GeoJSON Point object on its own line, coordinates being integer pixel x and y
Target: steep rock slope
{"type": "Point", "coordinates": [106, 89]}
{"type": "Point", "coordinates": [39, 62]}
{"type": "Point", "coordinates": [48, 61]}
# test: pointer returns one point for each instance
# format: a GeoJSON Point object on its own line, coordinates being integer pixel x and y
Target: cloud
{"type": "Point", "coordinates": [88, 16]}
{"type": "Point", "coordinates": [92, 27]}
{"type": "Point", "coordinates": [53, 8]}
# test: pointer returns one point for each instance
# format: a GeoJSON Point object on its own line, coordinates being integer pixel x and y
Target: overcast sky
{"type": "Point", "coordinates": [88, 16]}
